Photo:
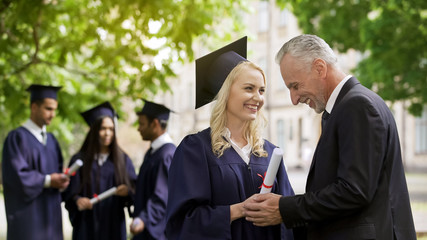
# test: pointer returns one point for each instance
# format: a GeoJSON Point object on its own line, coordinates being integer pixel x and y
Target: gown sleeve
{"type": "Point", "coordinates": [26, 180]}
{"type": "Point", "coordinates": [190, 212]}
{"type": "Point", "coordinates": [59, 153]}
{"type": "Point", "coordinates": [130, 169]}
{"type": "Point", "coordinates": [154, 213]}
{"type": "Point", "coordinates": [71, 194]}
{"type": "Point", "coordinates": [132, 179]}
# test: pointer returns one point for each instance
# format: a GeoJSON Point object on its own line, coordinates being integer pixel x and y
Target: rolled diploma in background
{"type": "Point", "coordinates": [273, 166]}
{"type": "Point", "coordinates": [110, 192]}
{"type": "Point", "coordinates": [76, 165]}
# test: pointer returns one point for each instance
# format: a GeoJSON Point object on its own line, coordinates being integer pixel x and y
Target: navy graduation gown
{"type": "Point", "coordinates": [152, 192]}
{"type": "Point", "coordinates": [32, 211]}
{"type": "Point", "coordinates": [202, 187]}
{"type": "Point", "coordinates": [107, 218]}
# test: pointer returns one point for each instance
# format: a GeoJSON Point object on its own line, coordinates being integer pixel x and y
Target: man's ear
{"type": "Point", "coordinates": [33, 106]}
{"type": "Point", "coordinates": [320, 67]}
{"type": "Point", "coordinates": [155, 123]}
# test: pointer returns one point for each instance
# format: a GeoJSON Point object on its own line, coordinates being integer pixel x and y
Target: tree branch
{"type": "Point", "coordinates": [36, 38]}
{"type": "Point", "coordinates": [34, 59]}
{"type": "Point", "coordinates": [74, 71]}
{"type": "Point", "coordinates": [5, 4]}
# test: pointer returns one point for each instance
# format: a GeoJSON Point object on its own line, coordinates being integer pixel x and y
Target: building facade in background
{"type": "Point", "coordinates": [295, 129]}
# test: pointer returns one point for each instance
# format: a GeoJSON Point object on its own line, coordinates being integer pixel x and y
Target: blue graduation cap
{"type": "Point", "coordinates": [154, 110]}
{"type": "Point", "coordinates": [42, 91]}
{"type": "Point", "coordinates": [213, 69]}
{"type": "Point", "coordinates": [102, 110]}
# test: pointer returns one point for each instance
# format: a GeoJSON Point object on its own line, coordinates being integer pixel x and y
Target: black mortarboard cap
{"type": "Point", "coordinates": [41, 91]}
{"type": "Point", "coordinates": [102, 110]}
{"type": "Point", "coordinates": [213, 69]}
{"type": "Point", "coordinates": [154, 110]}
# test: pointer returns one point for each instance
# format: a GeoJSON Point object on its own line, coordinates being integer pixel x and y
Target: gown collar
{"type": "Point", "coordinates": [160, 141]}
{"type": "Point", "coordinates": [35, 130]}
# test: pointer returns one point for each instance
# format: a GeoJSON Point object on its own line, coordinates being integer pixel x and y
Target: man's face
{"type": "Point", "coordinates": [145, 128]}
{"type": "Point", "coordinates": [304, 84]}
{"type": "Point", "coordinates": [44, 113]}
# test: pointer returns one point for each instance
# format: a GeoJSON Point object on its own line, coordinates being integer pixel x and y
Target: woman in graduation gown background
{"type": "Point", "coordinates": [214, 171]}
{"type": "Point", "coordinates": [105, 165]}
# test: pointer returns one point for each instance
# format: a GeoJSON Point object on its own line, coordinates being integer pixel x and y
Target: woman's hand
{"type": "Point", "coordinates": [237, 210]}
{"type": "Point", "coordinates": [137, 226]}
{"type": "Point", "coordinates": [122, 190]}
{"type": "Point", "coordinates": [83, 203]}
{"type": "Point", "coordinates": [263, 210]}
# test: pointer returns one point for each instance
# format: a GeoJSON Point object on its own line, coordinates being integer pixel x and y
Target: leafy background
{"type": "Point", "coordinates": [115, 49]}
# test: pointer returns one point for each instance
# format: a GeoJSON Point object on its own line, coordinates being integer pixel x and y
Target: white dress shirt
{"type": "Point", "coordinates": [36, 130]}
{"type": "Point", "coordinates": [42, 138]}
{"type": "Point", "coordinates": [160, 141]}
{"type": "Point", "coordinates": [244, 152]}
{"type": "Point", "coordinates": [331, 101]}
{"type": "Point", "coordinates": [101, 158]}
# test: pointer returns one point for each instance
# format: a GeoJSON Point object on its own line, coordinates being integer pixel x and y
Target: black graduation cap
{"type": "Point", "coordinates": [154, 110]}
{"type": "Point", "coordinates": [41, 91]}
{"type": "Point", "coordinates": [102, 110]}
{"type": "Point", "coordinates": [213, 69]}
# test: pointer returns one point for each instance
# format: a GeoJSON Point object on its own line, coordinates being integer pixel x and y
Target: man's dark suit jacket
{"type": "Point", "coordinates": [356, 187]}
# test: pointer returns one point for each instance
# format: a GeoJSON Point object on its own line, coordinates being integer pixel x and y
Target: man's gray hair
{"type": "Point", "coordinates": [306, 48]}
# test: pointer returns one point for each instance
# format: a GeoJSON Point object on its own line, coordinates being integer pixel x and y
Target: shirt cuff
{"type": "Point", "coordinates": [47, 181]}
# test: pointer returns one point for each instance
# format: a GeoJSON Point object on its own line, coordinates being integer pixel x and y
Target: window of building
{"type": "Point", "coordinates": [281, 139]}
{"type": "Point", "coordinates": [280, 83]}
{"type": "Point", "coordinates": [421, 133]}
{"type": "Point", "coordinates": [190, 95]}
{"type": "Point", "coordinates": [262, 63]}
{"type": "Point", "coordinates": [283, 18]}
{"type": "Point", "coordinates": [263, 16]}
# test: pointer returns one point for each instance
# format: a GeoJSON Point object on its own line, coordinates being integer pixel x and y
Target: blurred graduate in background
{"type": "Point", "coordinates": [152, 183]}
{"type": "Point", "coordinates": [105, 165]}
{"type": "Point", "coordinates": [214, 171]}
{"type": "Point", "coordinates": [32, 172]}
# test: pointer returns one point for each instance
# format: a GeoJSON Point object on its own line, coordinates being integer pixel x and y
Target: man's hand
{"type": "Point", "coordinates": [122, 190]}
{"type": "Point", "coordinates": [83, 203]}
{"type": "Point", "coordinates": [263, 210]}
{"type": "Point", "coordinates": [59, 180]}
{"type": "Point", "coordinates": [137, 226]}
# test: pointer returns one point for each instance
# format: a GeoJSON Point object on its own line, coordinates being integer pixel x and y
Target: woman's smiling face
{"type": "Point", "coordinates": [246, 96]}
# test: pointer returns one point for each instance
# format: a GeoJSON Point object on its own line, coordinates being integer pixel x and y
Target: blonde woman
{"type": "Point", "coordinates": [214, 171]}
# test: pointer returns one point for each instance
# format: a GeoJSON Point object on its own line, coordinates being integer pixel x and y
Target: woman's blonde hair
{"type": "Point", "coordinates": [253, 129]}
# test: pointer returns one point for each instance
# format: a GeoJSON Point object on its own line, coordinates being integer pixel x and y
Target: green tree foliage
{"type": "Point", "coordinates": [391, 35]}
{"type": "Point", "coordinates": [97, 50]}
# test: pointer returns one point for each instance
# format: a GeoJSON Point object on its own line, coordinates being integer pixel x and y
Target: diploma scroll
{"type": "Point", "coordinates": [71, 171]}
{"type": "Point", "coordinates": [273, 166]}
{"type": "Point", "coordinates": [110, 192]}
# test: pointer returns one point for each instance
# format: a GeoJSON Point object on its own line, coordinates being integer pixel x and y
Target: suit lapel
{"type": "Point", "coordinates": [344, 90]}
